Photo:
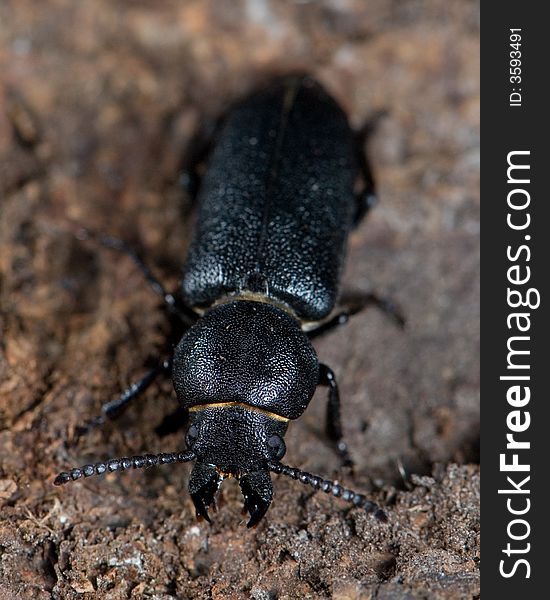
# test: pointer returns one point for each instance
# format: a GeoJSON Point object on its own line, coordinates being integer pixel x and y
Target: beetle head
{"type": "Point", "coordinates": [261, 447]}
{"type": "Point", "coordinates": [234, 441]}
{"type": "Point", "coordinates": [243, 370]}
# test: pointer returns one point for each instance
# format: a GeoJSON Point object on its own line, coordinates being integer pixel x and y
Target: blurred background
{"type": "Point", "coordinates": [99, 102]}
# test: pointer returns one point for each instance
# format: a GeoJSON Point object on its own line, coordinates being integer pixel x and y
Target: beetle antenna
{"type": "Point", "coordinates": [330, 487]}
{"type": "Point", "coordinates": [121, 464]}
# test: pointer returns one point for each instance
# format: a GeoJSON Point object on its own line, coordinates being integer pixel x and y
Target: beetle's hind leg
{"type": "Point", "coordinates": [365, 196]}
{"type": "Point", "coordinates": [192, 166]}
{"type": "Point", "coordinates": [194, 161]}
{"type": "Point", "coordinates": [333, 424]}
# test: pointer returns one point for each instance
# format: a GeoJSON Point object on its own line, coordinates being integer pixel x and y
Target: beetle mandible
{"type": "Point", "coordinates": [286, 181]}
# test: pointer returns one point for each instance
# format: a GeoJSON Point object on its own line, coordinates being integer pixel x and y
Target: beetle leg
{"type": "Point", "coordinates": [198, 150]}
{"type": "Point", "coordinates": [112, 409]}
{"type": "Point", "coordinates": [173, 422]}
{"type": "Point", "coordinates": [333, 427]}
{"type": "Point", "coordinates": [174, 304]}
{"type": "Point", "coordinates": [355, 306]}
{"type": "Point", "coordinates": [366, 195]}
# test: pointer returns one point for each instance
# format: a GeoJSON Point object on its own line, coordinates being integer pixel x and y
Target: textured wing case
{"type": "Point", "coordinates": [276, 203]}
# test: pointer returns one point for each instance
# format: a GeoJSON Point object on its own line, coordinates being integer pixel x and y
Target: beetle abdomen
{"type": "Point", "coordinates": [276, 203]}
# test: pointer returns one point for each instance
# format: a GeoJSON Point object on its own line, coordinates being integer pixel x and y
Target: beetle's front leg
{"type": "Point", "coordinates": [173, 422]}
{"type": "Point", "coordinates": [333, 426]}
{"type": "Point", "coordinates": [112, 409]}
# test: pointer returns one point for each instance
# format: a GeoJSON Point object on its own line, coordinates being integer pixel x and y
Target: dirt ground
{"type": "Point", "coordinates": [98, 102]}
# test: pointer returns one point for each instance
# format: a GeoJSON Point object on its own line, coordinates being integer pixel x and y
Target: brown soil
{"type": "Point", "coordinates": [98, 101]}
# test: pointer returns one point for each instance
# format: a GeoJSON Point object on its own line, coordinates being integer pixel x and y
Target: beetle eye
{"type": "Point", "coordinates": [191, 437]}
{"type": "Point", "coordinates": [276, 446]}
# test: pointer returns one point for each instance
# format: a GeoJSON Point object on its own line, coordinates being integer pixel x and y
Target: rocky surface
{"type": "Point", "coordinates": [98, 102]}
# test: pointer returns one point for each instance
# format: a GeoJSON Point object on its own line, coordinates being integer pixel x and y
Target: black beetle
{"type": "Point", "coordinates": [286, 181]}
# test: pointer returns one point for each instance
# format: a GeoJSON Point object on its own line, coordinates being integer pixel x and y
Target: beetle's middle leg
{"type": "Point", "coordinates": [182, 318]}
{"type": "Point", "coordinates": [355, 306]}
{"type": "Point", "coordinates": [174, 304]}
{"type": "Point", "coordinates": [112, 409]}
{"type": "Point", "coordinates": [333, 424]}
